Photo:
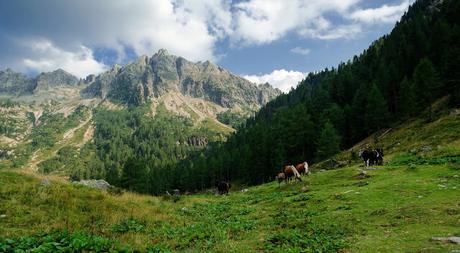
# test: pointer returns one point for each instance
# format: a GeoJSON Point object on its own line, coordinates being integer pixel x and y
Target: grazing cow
{"type": "Point", "coordinates": [302, 168]}
{"type": "Point", "coordinates": [280, 177]}
{"type": "Point", "coordinates": [290, 171]}
{"type": "Point", "coordinates": [223, 187]}
{"type": "Point", "coordinates": [371, 157]}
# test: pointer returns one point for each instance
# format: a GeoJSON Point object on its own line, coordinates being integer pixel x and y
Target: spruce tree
{"type": "Point", "coordinates": [329, 142]}
{"type": "Point", "coordinates": [425, 86]}
{"type": "Point", "coordinates": [376, 111]}
{"type": "Point", "coordinates": [405, 102]}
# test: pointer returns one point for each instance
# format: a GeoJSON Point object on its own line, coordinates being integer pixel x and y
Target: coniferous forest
{"type": "Point", "coordinates": [398, 77]}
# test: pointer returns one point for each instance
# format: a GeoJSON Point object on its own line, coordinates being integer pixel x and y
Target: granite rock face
{"type": "Point", "coordinates": [19, 84]}
{"type": "Point", "coordinates": [151, 77]}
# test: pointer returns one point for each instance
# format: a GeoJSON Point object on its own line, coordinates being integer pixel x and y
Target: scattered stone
{"type": "Point", "coordinates": [322, 170]}
{"type": "Point", "coordinates": [3, 216]}
{"type": "Point", "coordinates": [363, 174]}
{"type": "Point", "coordinates": [451, 239]}
{"type": "Point", "coordinates": [362, 183]}
{"type": "Point", "coordinates": [370, 168]}
{"type": "Point", "coordinates": [184, 209]}
{"type": "Point", "coordinates": [95, 184]}
{"type": "Point", "coordinates": [176, 192]}
{"type": "Point", "coordinates": [426, 149]}
{"type": "Point", "coordinates": [244, 190]}
{"type": "Point", "coordinates": [304, 189]}
{"type": "Point", "coordinates": [45, 182]}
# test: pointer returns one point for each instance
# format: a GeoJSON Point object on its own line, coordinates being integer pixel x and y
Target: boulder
{"type": "Point", "coordinates": [95, 184]}
{"type": "Point", "coordinates": [451, 239]}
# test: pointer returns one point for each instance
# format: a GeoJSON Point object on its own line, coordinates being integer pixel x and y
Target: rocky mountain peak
{"type": "Point", "coordinates": [147, 78]}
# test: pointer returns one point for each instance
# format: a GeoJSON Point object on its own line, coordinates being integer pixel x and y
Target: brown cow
{"type": "Point", "coordinates": [290, 171]}
{"type": "Point", "coordinates": [302, 168]}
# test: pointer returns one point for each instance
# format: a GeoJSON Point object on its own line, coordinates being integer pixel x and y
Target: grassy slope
{"type": "Point", "coordinates": [398, 209]}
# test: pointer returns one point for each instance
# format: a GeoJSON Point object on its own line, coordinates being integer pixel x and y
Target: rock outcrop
{"type": "Point", "coordinates": [147, 78]}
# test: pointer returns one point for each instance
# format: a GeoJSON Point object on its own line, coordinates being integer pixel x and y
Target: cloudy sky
{"type": "Point", "coordinates": [275, 41]}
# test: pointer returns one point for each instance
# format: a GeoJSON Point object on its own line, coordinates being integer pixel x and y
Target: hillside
{"type": "Point", "coordinates": [397, 78]}
{"type": "Point", "coordinates": [398, 208]}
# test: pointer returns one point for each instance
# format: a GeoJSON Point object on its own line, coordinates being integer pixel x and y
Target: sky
{"type": "Point", "coordinates": [274, 41]}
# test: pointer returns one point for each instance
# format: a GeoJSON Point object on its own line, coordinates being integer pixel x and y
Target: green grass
{"type": "Point", "coordinates": [413, 197]}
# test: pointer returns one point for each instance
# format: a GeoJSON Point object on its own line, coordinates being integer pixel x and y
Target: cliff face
{"type": "Point", "coordinates": [19, 84]}
{"type": "Point", "coordinates": [148, 78]}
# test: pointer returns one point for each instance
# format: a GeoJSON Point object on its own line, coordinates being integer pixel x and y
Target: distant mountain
{"type": "Point", "coordinates": [149, 78]}
{"type": "Point", "coordinates": [14, 83]}
{"type": "Point", "coordinates": [19, 84]}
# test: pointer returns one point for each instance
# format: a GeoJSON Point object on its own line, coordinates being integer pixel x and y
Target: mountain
{"type": "Point", "coordinates": [53, 79]}
{"type": "Point", "coordinates": [19, 84]}
{"type": "Point", "coordinates": [128, 124]}
{"type": "Point", "coordinates": [14, 83]}
{"type": "Point", "coordinates": [150, 78]}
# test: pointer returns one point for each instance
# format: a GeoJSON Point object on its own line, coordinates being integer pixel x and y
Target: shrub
{"type": "Point", "coordinates": [129, 225]}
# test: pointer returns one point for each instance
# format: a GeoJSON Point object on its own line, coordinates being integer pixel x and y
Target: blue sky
{"type": "Point", "coordinates": [275, 41]}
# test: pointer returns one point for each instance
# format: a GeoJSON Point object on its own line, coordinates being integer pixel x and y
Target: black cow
{"type": "Point", "coordinates": [223, 187]}
{"type": "Point", "coordinates": [372, 157]}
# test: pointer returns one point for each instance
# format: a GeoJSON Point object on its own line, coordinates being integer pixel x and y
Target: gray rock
{"type": "Point", "coordinates": [363, 174]}
{"type": "Point", "coordinates": [150, 77]}
{"type": "Point", "coordinates": [45, 182]}
{"type": "Point", "coordinates": [451, 239]}
{"type": "Point", "coordinates": [2, 216]}
{"type": "Point", "coordinates": [96, 184]}
{"type": "Point", "coordinates": [304, 189]}
{"type": "Point", "coordinates": [426, 149]}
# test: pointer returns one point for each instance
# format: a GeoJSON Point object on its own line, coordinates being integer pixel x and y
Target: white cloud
{"type": "Point", "coordinates": [48, 57]}
{"type": "Point", "coordinates": [301, 51]}
{"type": "Point", "coordinates": [281, 79]}
{"type": "Point", "coordinates": [189, 28]}
{"type": "Point", "coordinates": [383, 14]}
{"type": "Point", "coordinates": [262, 21]}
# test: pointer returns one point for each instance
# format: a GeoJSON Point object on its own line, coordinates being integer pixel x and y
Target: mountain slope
{"type": "Point", "coordinates": [149, 78]}
{"type": "Point", "coordinates": [398, 208]}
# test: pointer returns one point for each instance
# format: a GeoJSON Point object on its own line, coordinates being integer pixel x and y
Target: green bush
{"type": "Point", "coordinates": [57, 242]}
{"type": "Point", "coordinates": [129, 225]}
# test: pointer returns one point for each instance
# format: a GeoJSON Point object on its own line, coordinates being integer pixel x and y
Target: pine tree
{"type": "Point", "coordinates": [376, 110]}
{"type": "Point", "coordinates": [405, 101]}
{"type": "Point", "coordinates": [426, 86]}
{"type": "Point", "coordinates": [329, 142]}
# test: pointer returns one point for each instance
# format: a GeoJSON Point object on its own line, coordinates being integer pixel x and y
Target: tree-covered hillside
{"type": "Point", "coordinates": [398, 77]}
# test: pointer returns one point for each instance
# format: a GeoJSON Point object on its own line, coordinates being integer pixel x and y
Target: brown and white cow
{"type": "Point", "coordinates": [302, 168]}
{"type": "Point", "coordinates": [290, 171]}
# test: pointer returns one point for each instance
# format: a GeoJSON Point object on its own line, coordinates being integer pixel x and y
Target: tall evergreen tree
{"type": "Point", "coordinates": [376, 110]}
{"type": "Point", "coordinates": [329, 142]}
{"type": "Point", "coordinates": [426, 86]}
{"type": "Point", "coordinates": [405, 101]}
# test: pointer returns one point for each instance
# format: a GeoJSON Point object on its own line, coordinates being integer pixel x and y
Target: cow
{"type": "Point", "coordinates": [302, 168]}
{"type": "Point", "coordinates": [223, 187]}
{"type": "Point", "coordinates": [280, 177]}
{"type": "Point", "coordinates": [290, 171]}
{"type": "Point", "coordinates": [372, 157]}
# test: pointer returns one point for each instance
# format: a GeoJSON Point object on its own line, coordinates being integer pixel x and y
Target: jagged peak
{"type": "Point", "coordinates": [162, 52]}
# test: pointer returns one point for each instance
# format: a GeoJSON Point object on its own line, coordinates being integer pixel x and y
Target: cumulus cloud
{"type": "Point", "coordinates": [383, 14]}
{"type": "Point", "coordinates": [189, 28]}
{"type": "Point", "coordinates": [48, 57]}
{"type": "Point", "coordinates": [281, 79]}
{"type": "Point", "coordinates": [301, 51]}
{"type": "Point", "coordinates": [261, 21]}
